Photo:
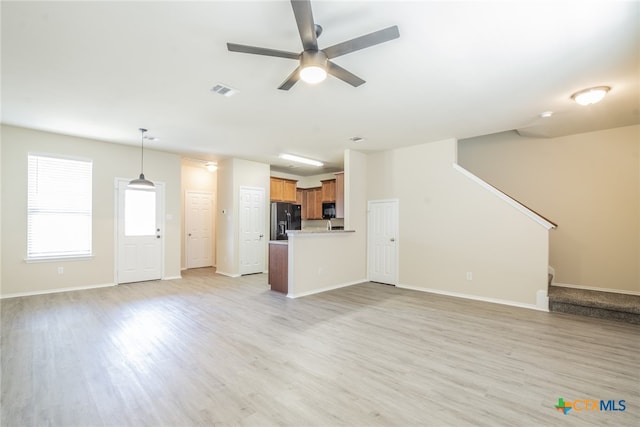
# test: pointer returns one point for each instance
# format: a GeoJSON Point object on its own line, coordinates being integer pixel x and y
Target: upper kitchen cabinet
{"type": "Point", "coordinates": [329, 190]}
{"type": "Point", "coordinates": [312, 205]}
{"type": "Point", "coordinates": [283, 190]}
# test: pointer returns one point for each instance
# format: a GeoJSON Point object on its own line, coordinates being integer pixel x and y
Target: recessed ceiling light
{"type": "Point", "coordinates": [151, 138]}
{"type": "Point", "coordinates": [224, 90]}
{"type": "Point", "coordinates": [356, 139]}
{"type": "Point", "coordinates": [299, 159]}
{"type": "Point", "coordinates": [546, 114]}
{"type": "Point", "coordinates": [591, 95]}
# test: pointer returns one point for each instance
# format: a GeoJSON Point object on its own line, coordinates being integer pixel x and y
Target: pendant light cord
{"type": "Point", "coordinates": [142, 131]}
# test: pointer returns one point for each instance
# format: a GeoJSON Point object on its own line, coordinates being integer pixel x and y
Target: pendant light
{"type": "Point", "coordinates": [141, 183]}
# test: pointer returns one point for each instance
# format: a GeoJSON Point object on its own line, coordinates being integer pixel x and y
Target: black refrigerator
{"type": "Point", "coordinates": [284, 216]}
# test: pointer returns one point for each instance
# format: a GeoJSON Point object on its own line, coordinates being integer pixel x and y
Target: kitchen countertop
{"type": "Point", "coordinates": [278, 242]}
{"type": "Point", "coordinates": [317, 231]}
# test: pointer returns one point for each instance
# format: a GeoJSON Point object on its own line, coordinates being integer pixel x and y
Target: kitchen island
{"type": "Point", "coordinates": [279, 257]}
{"type": "Point", "coordinates": [317, 260]}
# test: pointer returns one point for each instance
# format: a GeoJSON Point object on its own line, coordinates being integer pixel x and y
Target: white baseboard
{"type": "Point", "coordinates": [325, 289]}
{"type": "Point", "coordinates": [55, 291]}
{"type": "Point", "coordinates": [224, 273]}
{"type": "Point", "coordinates": [591, 288]}
{"type": "Point", "coordinates": [476, 298]}
{"type": "Point", "coordinates": [172, 277]}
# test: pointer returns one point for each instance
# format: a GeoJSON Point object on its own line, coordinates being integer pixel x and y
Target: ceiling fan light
{"type": "Point", "coordinates": [591, 95]}
{"type": "Point", "coordinates": [313, 74]}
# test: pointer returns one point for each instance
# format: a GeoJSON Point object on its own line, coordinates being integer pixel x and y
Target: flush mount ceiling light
{"type": "Point", "coordinates": [546, 114]}
{"type": "Point", "coordinates": [208, 164]}
{"type": "Point", "coordinates": [591, 95]}
{"type": "Point", "coordinates": [141, 183]}
{"type": "Point", "coordinates": [299, 159]}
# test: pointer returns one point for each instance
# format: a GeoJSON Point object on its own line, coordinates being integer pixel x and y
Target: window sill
{"type": "Point", "coordinates": [58, 258]}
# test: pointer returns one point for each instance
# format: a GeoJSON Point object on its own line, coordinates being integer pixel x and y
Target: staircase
{"type": "Point", "coordinates": [605, 305]}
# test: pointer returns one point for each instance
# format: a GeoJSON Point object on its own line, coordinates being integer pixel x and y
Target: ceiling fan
{"type": "Point", "coordinates": [315, 63]}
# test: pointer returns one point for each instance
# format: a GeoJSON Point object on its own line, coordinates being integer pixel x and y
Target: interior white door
{"type": "Point", "coordinates": [383, 241]}
{"type": "Point", "coordinates": [252, 230]}
{"type": "Point", "coordinates": [139, 233]}
{"type": "Point", "coordinates": [199, 229]}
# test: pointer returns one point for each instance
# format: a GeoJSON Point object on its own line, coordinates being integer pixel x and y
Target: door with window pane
{"type": "Point", "coordinates": [139, 233]}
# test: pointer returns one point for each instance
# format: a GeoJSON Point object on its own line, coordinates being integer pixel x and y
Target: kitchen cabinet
{"type": "Point", "coordinates": [300, 196]}
{"type": "Point", "coordinates": [312, 203]}
{"type": "Point", "coordinates": [329, 190]}
{"type": "Point", "coordinates": [340, 195]}
{"type": "Point", "coordinates": [283, 190]}
{"type": "Point", "coordinates": [279, 266]}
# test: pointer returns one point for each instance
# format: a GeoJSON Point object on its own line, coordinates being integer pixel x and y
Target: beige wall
{"type": "Point", "coordinates": [2, 189]}
{"type": "Point", "coordinates": [449, 225]}
{"type": "Point", "coordinates": [233, 174]}
{"type": "Point", "coordinates": [196, 177]}
{"type": "Point", "coordinates": [110, 161]}
{"type": "Point", "coordinates": [589, 184]}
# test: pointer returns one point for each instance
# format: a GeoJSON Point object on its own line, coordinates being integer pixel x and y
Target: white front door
{"type": "Point", "coordinates": [139, 233]}
{"type": "Point", "coordinates": [252, 230]}
{"type": "Point", "coordinates": [383, 241]}
{"type": "Point", "coordinates": [199, 229]}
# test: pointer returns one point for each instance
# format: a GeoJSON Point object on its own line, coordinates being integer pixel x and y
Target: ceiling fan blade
{"type": "Point", "coordinates": [362, 42]}
{"type": "Point", "coordinates": [306, 26]}
{"type": "Point", "coordinates": [291, 80]}
{"type": "Point", "coordinates": [344, 75]}
{"type": "Point", "coordinates": [233, 47]}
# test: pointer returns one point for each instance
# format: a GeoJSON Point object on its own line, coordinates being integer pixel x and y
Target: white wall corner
{"type": "Point", "coordinates": [224, 273]}
{"type": "Point", "coordinates": [542, 300]}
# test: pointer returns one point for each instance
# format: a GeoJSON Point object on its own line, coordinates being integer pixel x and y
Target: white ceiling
{"type": "Point", "coordinates": [460, 69]}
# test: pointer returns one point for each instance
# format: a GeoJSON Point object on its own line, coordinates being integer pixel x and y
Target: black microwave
{"type": "Point", "coordinates": [328, 210]}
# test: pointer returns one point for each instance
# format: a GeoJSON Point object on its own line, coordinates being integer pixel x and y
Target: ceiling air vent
{"type": "Point", "coordinates": [223, 90]}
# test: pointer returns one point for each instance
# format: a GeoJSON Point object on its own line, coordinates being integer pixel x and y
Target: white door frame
{"type": "Point", "coordinates": [212, 225]}
{"type": "Point", "coordinates": [396, 203]}
{"type": "Point", "coordinates": [160, 213]}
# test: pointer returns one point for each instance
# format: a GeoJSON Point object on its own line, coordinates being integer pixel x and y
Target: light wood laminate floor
{"type": "Point", "coordinates": [214, 351]}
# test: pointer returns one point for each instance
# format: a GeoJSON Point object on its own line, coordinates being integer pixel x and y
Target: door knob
{"type": "Point", "coordinates": [392, 239]}
{"type": "Point", "coordinates": [261, 236]}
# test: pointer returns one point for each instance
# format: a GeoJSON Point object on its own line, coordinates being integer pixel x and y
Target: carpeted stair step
{"type": "Point", "coordinates": [606, 305]}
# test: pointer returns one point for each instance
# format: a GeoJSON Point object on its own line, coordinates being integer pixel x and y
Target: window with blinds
{"type": "Point", "coordinates": [58, 207]}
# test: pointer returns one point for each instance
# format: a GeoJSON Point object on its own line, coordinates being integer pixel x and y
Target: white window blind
{"type": "Point", "coordinates": [58, 207]}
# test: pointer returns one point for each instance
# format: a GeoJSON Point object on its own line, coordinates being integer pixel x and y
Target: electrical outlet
{"type": "Point", "coordinates": [469, 275]}
{"type": "Point", "coordinates": [60, 270]}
